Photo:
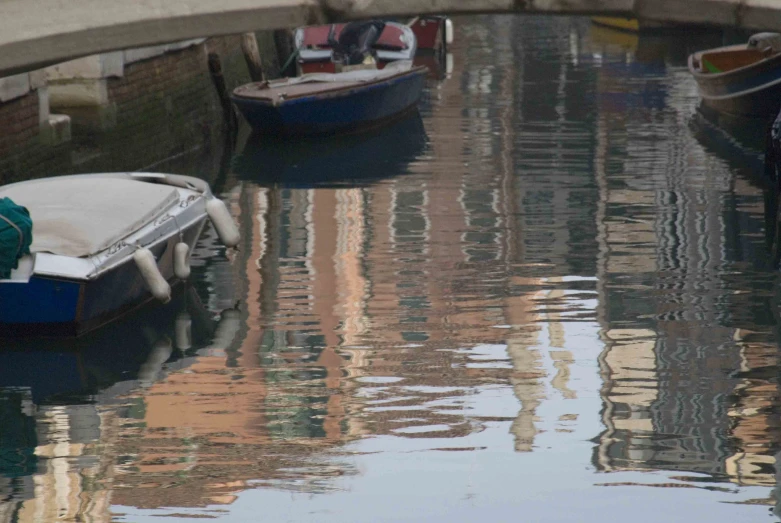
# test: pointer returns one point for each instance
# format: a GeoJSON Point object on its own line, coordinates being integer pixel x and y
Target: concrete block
{"type": "Point", "coordinates": [83, 93]}
{"type": "Point", "coordinates": [15, 86]}
{"type": "Point", "coordinates": [37, 79]}
{"type": "Point", "coordinates": [56, 129]}
{"type": "Point", "coordinates": [96, 66]}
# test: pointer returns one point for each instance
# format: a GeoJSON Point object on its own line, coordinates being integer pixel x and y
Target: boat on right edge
{"type": "Point", "coordinates": [741, 80]}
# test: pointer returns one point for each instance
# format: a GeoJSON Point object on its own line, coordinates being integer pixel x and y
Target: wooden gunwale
{"type": "Point", "coordinates": [326, 90]}
{"type": "Point", "coordinates": [732, 72]}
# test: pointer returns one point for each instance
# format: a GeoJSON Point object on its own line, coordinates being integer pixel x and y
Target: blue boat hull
{"type": "Point", "coordinates": [48, 306]}
{"type": "Point", "coordinates": [343, 111]}
{"type": "Point", "coordinates": [753, 90]}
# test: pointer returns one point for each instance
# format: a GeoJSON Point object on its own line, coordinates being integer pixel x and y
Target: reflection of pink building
{"type": "Point", "coordinates": [346, 287]}
{"type": "Point", "coordinates": [356, 296]}
{"type": "Point", "coordinates": [670, 400]}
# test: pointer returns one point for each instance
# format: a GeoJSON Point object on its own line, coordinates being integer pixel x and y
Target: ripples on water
{"type": "Point", "coordinates": [547, 295]}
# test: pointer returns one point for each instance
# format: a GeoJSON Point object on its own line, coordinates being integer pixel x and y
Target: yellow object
{"type": "Point", "coordinates": [626, 24]}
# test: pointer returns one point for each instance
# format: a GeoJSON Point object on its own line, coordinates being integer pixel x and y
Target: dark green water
{"type": "Point", "coordinates": [547, 297]}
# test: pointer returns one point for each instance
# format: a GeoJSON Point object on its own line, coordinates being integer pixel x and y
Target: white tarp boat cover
{"type": "Point", "coordinates": [359, 75]}
{"type": "Point", "coordinates": [82, 216]}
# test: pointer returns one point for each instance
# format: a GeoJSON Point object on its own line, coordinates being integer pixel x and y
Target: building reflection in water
{"type": "Point", "coordinates": [688, 384]}
{"type": "Point", "coordinates": [553, 184]}
{"type": "Point", "coordinates": [60, 408]}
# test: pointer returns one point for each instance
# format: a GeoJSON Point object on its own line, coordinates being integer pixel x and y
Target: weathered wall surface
{"type": "Point", "coordinates": [161, 109]}
{"type": "Point", "coordinates": [24, 149]}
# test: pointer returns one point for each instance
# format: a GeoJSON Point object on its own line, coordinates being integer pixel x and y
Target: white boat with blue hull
{"type": "Point", "coordinates": [104, 244]}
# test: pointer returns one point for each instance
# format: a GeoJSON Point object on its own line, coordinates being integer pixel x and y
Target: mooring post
{"type": "Point", "coordinates": [249, 46]}
{"type": "Point", "coordinates": [215, 69]}
{"type": "Point", "coordinates": [283, 39]}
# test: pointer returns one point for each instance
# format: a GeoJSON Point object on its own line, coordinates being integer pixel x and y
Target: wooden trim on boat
{"type": "Point", "coordinates": [699, 56]}
{"type": "Point", "coordinates": [328, 90]}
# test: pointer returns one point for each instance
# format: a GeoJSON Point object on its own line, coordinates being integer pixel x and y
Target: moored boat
{"type": "Point", "coordinates": [327, 103]}
{"type": "Point", "coordinates": [627, 24]}
{"type": "Point", "coordinates": [642, 25]}
{"type": "Point", "coordinates": [432, 32]}
{"type": "Point", "coordinates": [742, 80]}
{"type": "Point", "coordinates": [315, 49]}
{"type": "Point", "coordinates": [102, 245]}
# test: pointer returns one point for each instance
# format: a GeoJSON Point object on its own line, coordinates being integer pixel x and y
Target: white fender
{"type": "Point", "coordinates": [181, 261]}
{"type": "Point", "coordinates": [183, 329]}
{"type": "Point", "coordinates": [150, 369]}
{"type": "Point", "coordinates": [145, 261]}
{"type": "Point", "coordinates": [448, 31]}
{"type": "Point", "coordinates": [223, 222]}
{"type": "Point", "coordinates": [227, 328]}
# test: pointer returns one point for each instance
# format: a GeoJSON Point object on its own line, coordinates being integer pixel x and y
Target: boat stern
{"type": "Point", "coordinates": [40, 306]}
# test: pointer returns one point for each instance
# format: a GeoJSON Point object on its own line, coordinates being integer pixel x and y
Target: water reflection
{"type": "Point", "coordinates": [549, 292]}
{"type": "Point", "coordinates": [340, 160]}
{"type": "Point", "coordinates": [62, 402]}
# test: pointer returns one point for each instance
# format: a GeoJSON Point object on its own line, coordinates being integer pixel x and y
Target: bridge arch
{"type": "Point", "coordinates": [36, 33]}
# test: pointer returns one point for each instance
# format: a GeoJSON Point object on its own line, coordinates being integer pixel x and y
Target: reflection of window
{"type": "Point", "coordinates": [410, 223]}
{"type": "Point", "coordinates": [17, 436]}
{"type": "Point", "coordinates": [481, 241]}
{"type": "Point", "coordinates": [295, 406]}
{"type": "Point", "coordinates": [414, 336]}
{"type": "Point", "coordinates": [410, 227]}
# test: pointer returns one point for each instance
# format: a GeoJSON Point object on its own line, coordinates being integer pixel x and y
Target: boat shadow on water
{"type": "Point", "coordinates": [341, 160]}
{"type": "Point", "coordinates": [110, 361]}
{"type": "Point", "coordinates": [741, 142]}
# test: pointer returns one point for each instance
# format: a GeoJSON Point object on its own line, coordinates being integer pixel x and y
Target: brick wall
{"type": "Point", "coordinates": [23, 154]}
{"type": "Point", "coordinates": [163, 107]}
{"type": "Point", "coordinates": [164, 112]}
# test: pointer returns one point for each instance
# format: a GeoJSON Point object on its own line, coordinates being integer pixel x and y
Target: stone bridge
{"type": "Point", "coordinates": [36, 33]}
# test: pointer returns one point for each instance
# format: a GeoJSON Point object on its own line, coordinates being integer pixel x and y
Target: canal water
{"type": "Point", "coordinates": [548, 296]}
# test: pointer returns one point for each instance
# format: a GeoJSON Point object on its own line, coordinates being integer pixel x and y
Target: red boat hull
{"type": "Point", "coordinates": [430, 32]}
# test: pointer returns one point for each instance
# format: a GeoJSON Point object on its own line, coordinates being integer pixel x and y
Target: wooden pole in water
{"type": "Point", "coordinates": [215, 69]}
{"type": "Point", "coordinates": [249, 46]}
{"type": "Point", "coordinates": [283, 40]}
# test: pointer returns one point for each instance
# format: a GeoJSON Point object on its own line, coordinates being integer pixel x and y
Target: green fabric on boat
{"type": "Point", "coordinates": [710, 67]}
{"type": "Point", "coordinates": [16, 235]}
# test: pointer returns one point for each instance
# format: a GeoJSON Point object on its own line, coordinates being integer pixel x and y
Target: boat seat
{"type": "Point", "coordinates": [82, 216]}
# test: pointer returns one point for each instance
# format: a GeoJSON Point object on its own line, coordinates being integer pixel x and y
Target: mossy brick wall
{"type": "Point", "coordinates": [23, 153]}
{"type": "Point", "coordinates": [163, 112]}
{"type": "Point", "coordinates": [163, 107]}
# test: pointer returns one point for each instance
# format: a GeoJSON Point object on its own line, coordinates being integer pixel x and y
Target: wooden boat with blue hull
{"type": "Point", "coordinates": [741, 80]}
{"type": "Point", "coordinates": [103, 244]}
{"type": "Point", "coordinates": [327, 103]}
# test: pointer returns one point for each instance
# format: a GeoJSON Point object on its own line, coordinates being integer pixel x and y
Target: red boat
{"type": "Point", "coordinates": [432, 32]}
{"type": "Point", "coordinates": [396, 42]}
